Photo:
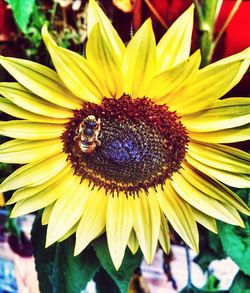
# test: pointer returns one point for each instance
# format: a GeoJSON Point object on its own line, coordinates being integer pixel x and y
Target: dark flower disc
{"type": "Point", "coordinates": [140, 144]}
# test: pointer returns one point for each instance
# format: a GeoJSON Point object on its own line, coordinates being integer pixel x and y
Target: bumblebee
{"type": "Point", "coordinates": [87, 134]}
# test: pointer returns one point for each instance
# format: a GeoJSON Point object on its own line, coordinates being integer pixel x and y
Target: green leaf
{"type": "Point", "coordinates": [22, 10]}
{"type": "Point", "coordinates": [212, 284]}
{"type": "Point", "coordinates": [104, 283]}
{"type": "Point", "coordinates": [193, 289]}
{"type": "Point", "coordinates": [236, 243]}
{"type": "Point", "coordinates": [129, 264]}
{"type": "Point", "coordinates": [241, 284]}
{"type": "Point", "coordinates": [236, 240]}
{"type": "Point", "coordinates": [58, 270]}
{"type": "Point", "coordinates": [216, 245]}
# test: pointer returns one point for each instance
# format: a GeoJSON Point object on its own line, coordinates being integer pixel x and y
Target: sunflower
{"type": "Point", "coordinates": [126, 140]}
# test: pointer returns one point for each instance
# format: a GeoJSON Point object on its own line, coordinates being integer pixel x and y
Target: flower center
{"type": "Point", "coordinates": [125, 145]}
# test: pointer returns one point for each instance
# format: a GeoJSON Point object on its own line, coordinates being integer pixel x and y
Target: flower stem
{"type": "Point", "coordinates": [189, 278]}
{"type": "Point", "coordinates": [206, 18]}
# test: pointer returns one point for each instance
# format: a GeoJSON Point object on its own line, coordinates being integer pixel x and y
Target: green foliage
{"type": "Point", "coordinates": [236, 240]}
{"type": "Point", "coordinates": [193, 289]}
{"type": "Point", "coordinates": [216, 245]}
{"type": "Point", "coordinates": [5, 170]}
{"type": "Point", "coordinates": [241, 284]}
{"type": "Point", "coordinates": [104, 283]}
{"type": "Point", "coordinates": [22, 10]}
{"type": "Point", "coordinates": [231, 241]}
{"type": "Point", "coordinates": [236, 243]}
{"type": "Point", "coordinates": [58, 270]}
{"type": "Point", "coordinates": [212, 284]}
{"type": "Point", "coordinates": [33, 32]}
{"type": "Point", "coordinates": [12, 226]}
{"type": "Point", "coordinates": [130, 263]}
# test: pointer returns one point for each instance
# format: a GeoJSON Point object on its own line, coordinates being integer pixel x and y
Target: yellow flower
{"type": "Point", "coordinates": [126, 139]}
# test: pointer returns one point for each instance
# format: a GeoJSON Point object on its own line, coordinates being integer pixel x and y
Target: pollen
{"type": "Point", "coordinates": [141, 144]}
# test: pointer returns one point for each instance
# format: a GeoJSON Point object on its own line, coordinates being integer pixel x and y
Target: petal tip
{"type": "Point", "coordinates": [49, 242]}
{"type": "Point", "coordinates": [77, 251]}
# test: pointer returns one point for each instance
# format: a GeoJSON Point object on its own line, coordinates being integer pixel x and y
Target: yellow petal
{"type": "Point", "coordinates": [68, 208]}
{"type": "Point", "coordinates": [179, 214]}
{"type": "Point", "coordinates": [164, 237]}
{"type": "Point", "coordinates": [174, 78]}
{"type": "Point", "coordinates": [96, 15]}
{"type": "Point", "coordinates": [147, 221]}
{"type": "Point", "coordinates": [223, 114]}
{"type": "Point", "coordinates": [2, 201]}
{"type": "Point", "coordinates": [231, 179]}
{"type": "Point", "coordinates": [105, 61]}
{"type": "Point", "coordinates": [15, 111]}
{"type": "Point", "coordinates": [174, 46]}
{"type": "Point", "coordinates": [139, 63]}
{"type": "Point", "coordinates": [46, 214]}
{"type": "Point", "coordinates": [204, 203]}
{"type": "Point", "coordinates": [69, 233]}
{"type": "Point", "coordinates": [22, 97]}
{"type": "Point", "coordinates": [241, 55]}
{"type": "Point", "coordinates": [223, 136]}
{"type": "Point", "coordinates": [19, 151]}
{"type": "Point", "coordinates": [30, 130]}
{"type": "Point", "coordinates": [26, 192]}
{"type": "Point", "coordinates": [40, 79]}
{"type": "Point", "coordinates": [221, 159]}
{"type": "Point", "coordinates": [119, 221]}
{"type": "Point", "coordinates": [133, 243]}
{"type": "Point", "coordinates": [211, 83]}
{"type": "Point", "coordinates": [205, 220]}
{"type": "Point", "coordinates": [74, 71]}
{"type": "Point", "coordinates": [42, 198]}
{"type": "Point", "coordinates": [93, 220]}
{"type": "Point", "coordinates": [231, 150]}
{"type": "Point", "coordinates": [213, 188]}
{"type": "Point", "coordinates": [34, 173]}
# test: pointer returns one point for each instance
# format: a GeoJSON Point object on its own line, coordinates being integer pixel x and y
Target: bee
{"type": "Point", "coordinates": [87, 134]}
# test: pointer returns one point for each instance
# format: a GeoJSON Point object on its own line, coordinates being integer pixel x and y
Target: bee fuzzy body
{"type": "Point", "coordinates": [87, 134]}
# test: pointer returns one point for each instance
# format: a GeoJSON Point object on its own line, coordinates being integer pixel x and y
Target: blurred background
{"type": "Point", "coordinates": [223, 264]}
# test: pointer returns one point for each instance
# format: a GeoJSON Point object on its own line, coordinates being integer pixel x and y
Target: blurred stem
{"type": "Point", "coordinates": [11, 225]}
{"type": "Point", "coordinates": [189, 278]}
{"type": "Point", "coordinates": [230, 16]}
{"type": "Point", "coordinates": [65, 18]}
{"type": "Point", "coordinates": [156, 14]}
{"type": "Point", "coordinates": [206, 19]}
{"type": "Point", "coordinates": [53, 13]}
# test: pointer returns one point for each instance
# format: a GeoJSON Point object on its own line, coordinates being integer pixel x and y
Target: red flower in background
{"type": "Point", "coordinates": [235, 39]}
{"type": "Point", "coordinates": [237, 35]}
